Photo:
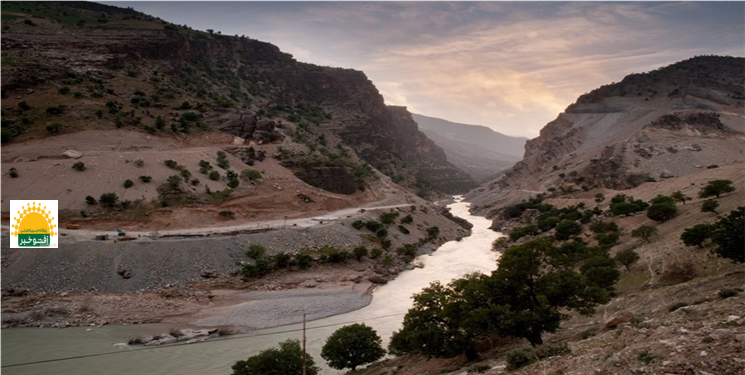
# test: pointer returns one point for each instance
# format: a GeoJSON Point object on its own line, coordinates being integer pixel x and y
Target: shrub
{"type": "Point", "coordinates": [403, 229]}
{"type": "Point", "coordinates": [407, 219]}
{"type": "Point", "coordinates": [607, 239]}
{"type": "Point", "coordinates": [662, 211]}
{"type": "Point", "coordinates": [145, 179]}
{"type": "Point", "coordinates": [728, 292]}
{"type": "Point", "coordinates": [90, 200]}
{"type": "Point", "coordinates": [260, 268]}
{"type": "Point", "coordinates": [374, 226]}
{"type": "Point", "coordinates": [54, 128]}
{"type": "Point", "coordinates": [108, 199]}
{"type": "Point", "coordinates": [337, 256]}
{"type": "Point", "coordinates": [58, 110]}
{"type": "Point", "coordinates": [433, 232]}
{"type": "Point", "coordinates": [139, 162]}
{"type": "Point", "coordinates": [171, 163]}
{"type": "Point", "coordinates": [250, 175]}
{"type": "Point", "coordinates": [646, 357]}
{"type": "Point", "coordinates": [214, 175]}
{"type": "Point", "coordinates": [79, 166]}
{"type": "Point", "coordinates": [13, 173]}
{"type": "Point", "coordinates": [256, 251]}
{"type": "Point", "coordinates": [128, 183]}
{"type": "Point", "coordinates": [64, 90]}
{"type": "Point", "coordinates": [567, 229]}
{"type": "Point", "coordinates": [375, 253]}
{"type": "Point", "coordinates": [173, 181]}
{"type": "Point", "coordinates": [519, 357]}
{"type": "Point", "coordinates": [24, 106]}
{"type": "Point", "coordinates": [604, 226]}
{"type": "Point", "coordinates": [359, 252]}
{"type": "Point", "coordinates": [358, 224]}
{"type": "Point", "coordinates": [282, 260]}
{"type": "Point", "coordinates": [303, 260]}
{"type": "Point", "coordinates": [710, 205]}
{"type": "Point", "coordinates": [388, 217]}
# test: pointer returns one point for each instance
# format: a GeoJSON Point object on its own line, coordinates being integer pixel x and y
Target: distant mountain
{"type": "Point", "coordinates": [477, 150]}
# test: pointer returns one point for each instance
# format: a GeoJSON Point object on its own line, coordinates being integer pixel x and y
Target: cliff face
{"type": "Point", "coordinates": [239, 84]}
{"type": "Point", "coordinates": [666, 123]}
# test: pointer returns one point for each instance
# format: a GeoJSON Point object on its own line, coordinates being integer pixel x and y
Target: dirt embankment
{"type": "Point", "coordinates": [178, 280]}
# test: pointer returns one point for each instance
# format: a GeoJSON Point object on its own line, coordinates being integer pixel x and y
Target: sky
{"type": "Point", "coordinates": [511, 66]}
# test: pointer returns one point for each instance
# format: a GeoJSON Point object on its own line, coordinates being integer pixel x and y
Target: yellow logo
{"type": "Point", "coordinates": [34, 223]}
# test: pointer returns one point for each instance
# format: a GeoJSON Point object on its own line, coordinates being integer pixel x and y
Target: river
{"type": "Point", "coordinates": [95, 352]}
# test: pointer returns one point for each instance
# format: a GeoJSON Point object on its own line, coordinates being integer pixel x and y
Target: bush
{"type": "Point", "coordinates": [13, 173]}
{"type": "Point", "coordinates": [407, 219]}
{"type": "Point", "coordinates": [256, 251]}
{"type": "Point", "coordinates": [375, 253]}
{"type": "Point", "coordinates": [727, 293]}
{"type": "Point", "coordinates": [388, 217]}
{"type": "Point", "coordinates": [662, 211]}
{"type": "Point", "coordinates": [54, 128]}
{"type": "Point", "coordinates": [145, 179]}
{"type": "Point", "coordinates": [709, 205]}
{"type": "Point", "coordinates": [260, 268]}
{"type": "Point", "coordinates": [250, 175]}
{"type": "Point", "coordinates": [79, 166]}
{"type": "Point", "coordinates": [607, 240]}
{"type": "Point", "coordinates": [128, 183]}
{"type": "Point", "coordinates": [214, 175]}
{"type": "Point", "coordinates": [90, 200]}
{"type": "Point", "coordinates": [303, 260]}
{"type": "Point", "coordinates": [403, 229]}
{"type": "Point", "coordinates": [604, 226]}
{"type": "Point", "coordinates": [139, 162]}
{"type": "Point", "coordinates": [374, 226]}
{"type": "Point", "coordinates": [171, 164]}
{"type": "Point", "coordinates": [24, 106]}
{"type": "Point", "coordinates": [358, 224]}
{"type": "Point", "coordinates": [645, 232]}
{"type": "Point", "coordinates": [283, 361]}
{"type": "Point", "coordinates": [359, 252]}
{"type": "Point", "coordinates": [282, 260]}
{"type": "Point", "coordinates": [58, 110]}
{"type": "Point", "coordinates": [173, 181]}
{"type": "Point", "coordinates": [567, 229]}
{"type": "Point", "coordinates": [108, 199]}
{"type": "Point", "coordinates": [519, 357]}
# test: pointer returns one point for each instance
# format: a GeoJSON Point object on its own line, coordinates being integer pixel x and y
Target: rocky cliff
{"type": "Point", "coordinates": [661, 124]}
{"type": "Point", "coordinates": [135, 69]}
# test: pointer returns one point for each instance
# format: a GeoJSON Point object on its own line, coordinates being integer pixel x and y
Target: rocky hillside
{"type": "Point", "coordinates": [75, 66]}
{"type": "Point", "coordinates": [669, 122]}
{"type": "Point", "coordinates": [477, 150]}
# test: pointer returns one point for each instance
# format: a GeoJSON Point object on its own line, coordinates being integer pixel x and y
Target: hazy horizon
{"type": "Point", "coordinates": [511, 66]}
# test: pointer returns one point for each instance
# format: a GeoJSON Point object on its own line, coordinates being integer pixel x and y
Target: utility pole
{"type": "Point", "coordinates": [303, 343]}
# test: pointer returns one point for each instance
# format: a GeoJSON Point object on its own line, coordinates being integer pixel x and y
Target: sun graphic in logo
{"type": "Point", "coordinates": [33, 225]}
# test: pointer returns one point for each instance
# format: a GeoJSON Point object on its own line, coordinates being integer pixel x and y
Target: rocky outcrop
{"type": "Point", "coordinates": [668, 122]}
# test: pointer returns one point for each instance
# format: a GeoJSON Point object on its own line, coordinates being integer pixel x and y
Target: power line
{"type": "Point", "coordinates": [248, 336]}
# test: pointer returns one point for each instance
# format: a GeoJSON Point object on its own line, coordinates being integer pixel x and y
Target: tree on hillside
{"type": "Point", "coordinates": [352, 346]}
{"type": "Point", "coordinates": [567, 229]}
{"type": "Point", "coordinates": [662, 211]}
{"type": "Point", "coordinates": [627, 257]}
{"type": "Point", "coordinates": [710, 205]}
{"type": "Point", "coordinates": [286, 360]}
{"type": "Point", "coordinates": [645, 232]}
{"type": "Point", "coordinates": [678, 196]}
{"type": "Point", "coordinates": [729, 235]}
{"type": "Point", "coordinates": [716, 188]}
{"type": "Point", "coordinates": [526, 296]}
{"type": "Point", "coordinates": [697, 234]}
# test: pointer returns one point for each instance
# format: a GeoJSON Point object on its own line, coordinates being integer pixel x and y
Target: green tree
{"type": "Point", "coordinates": [678, 196]}
{"type": "Point", "coordinates": [600, 271]}
{"type": "Point", "coordinates": [256, 251]}
{"type": "Point", "coordinates": [710, 205]}
{"type": "Point", "coordinates": [567, 229]}
{"type": "Point", "coordinates": [128, 183]}
{"type": "Point", "coordinates": [352, 346]}
{"type": "Point", "coordinates": [716, 188]}
{"type": "Point", "coordinates": [645, 232]}
{"type": "Point", "coordinates": [729, 235]}
{"type": "Point", "coordinates": [662, 211]}
{"type": "Point", "coordinates": [697, 234]}
{"type": "Point", "coordinates": [627, 257]}
{"type": "Point", "coordinates": [250, 175]}
{"type": "Point", "coordinates": [287, 360]}
{"type": "Point", "coordinates": [547, 223]}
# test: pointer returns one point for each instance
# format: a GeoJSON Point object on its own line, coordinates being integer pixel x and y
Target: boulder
{"type": "Point", "coordinates": [377, 279]}
{"type": "Point", "coordinates": [72, 154]}
{"type": "Point", "coordinates": [125, 274]}
{"type": "Point", "coordinates": [619, 318]}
